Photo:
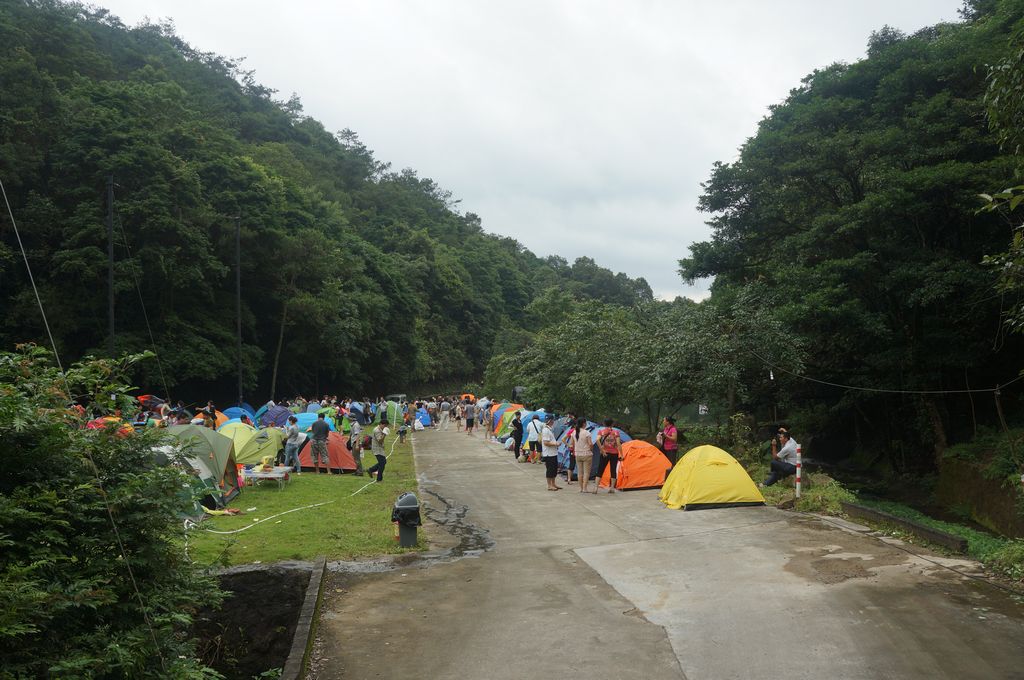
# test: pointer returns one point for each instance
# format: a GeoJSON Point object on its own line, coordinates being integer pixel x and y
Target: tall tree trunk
{"type": "Point", "coordinates": [277, 352]}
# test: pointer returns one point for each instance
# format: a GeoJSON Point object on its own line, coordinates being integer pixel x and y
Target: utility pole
{"type": "Point", "coordinates": [238, 300]}
{"type": "Point", "coordinates": [110, 261]}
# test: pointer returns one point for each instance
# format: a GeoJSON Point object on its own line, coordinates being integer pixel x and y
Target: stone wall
{"type": "Point", "coordinates": [991, 502]}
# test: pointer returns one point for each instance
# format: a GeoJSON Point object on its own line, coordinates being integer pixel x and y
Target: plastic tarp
{"type": "Point", "coordinates": [642, 466]}
{"type": "Point", "coordinates": [423, 417]}
{"type": "Point", "coordinates": [708, 477]}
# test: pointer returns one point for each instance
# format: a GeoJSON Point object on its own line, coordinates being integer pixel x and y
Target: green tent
{"type": "Point", "coordinates": [252, 445]}
{"type": "Point", "coordinates": [212, 455]}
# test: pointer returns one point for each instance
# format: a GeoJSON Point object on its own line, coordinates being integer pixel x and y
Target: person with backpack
{"type": "Point", "coordinates": [610, 445]}
{"type": "Point", "coordinates": [583, 447]}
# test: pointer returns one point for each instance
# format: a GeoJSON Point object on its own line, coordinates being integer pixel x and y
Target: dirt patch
{"type": "Point", "coordinates": [832, 564]}
{"type": "Point", "coordinates": [252, 631]}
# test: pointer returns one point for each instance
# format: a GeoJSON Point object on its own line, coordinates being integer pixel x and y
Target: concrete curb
{"type": "Point", "coordinates": [936, 536]}
{"type": "Point", "coordinates": [302, 643]}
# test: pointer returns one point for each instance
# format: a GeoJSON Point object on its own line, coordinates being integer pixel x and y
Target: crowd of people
{"type": "Point", "coordinates": [532, 441]}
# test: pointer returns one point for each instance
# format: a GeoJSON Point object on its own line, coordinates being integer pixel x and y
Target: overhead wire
{"type": "Point", "coordinates": [92, 462]}
{"type": "Point", "coordinates": [882, 389]}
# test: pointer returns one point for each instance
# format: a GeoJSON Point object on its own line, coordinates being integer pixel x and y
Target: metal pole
{"type": "Point", "coordinates": [238, 300]}
{"type": "Point", "coordinates": [799, 469]}
{"type": "Point", "coordinates": [110, 261]}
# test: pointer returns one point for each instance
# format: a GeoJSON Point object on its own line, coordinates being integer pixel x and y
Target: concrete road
{"type": "Point", "coordinates": [527, 583]}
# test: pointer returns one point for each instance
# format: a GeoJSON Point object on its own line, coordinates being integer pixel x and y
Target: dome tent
{"type": "Point", "coordinates": [708, 477]}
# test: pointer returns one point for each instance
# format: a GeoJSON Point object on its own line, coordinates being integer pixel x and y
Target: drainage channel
{"type": "Point", "coordinates": [449, 515]}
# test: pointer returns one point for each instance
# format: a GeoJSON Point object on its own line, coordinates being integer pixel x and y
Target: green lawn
{"type": "Point", "coordinates": [350, 526]}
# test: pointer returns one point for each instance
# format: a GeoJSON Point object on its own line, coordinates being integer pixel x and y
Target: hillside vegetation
{"type": "Point", "coordinates": [355, 277]}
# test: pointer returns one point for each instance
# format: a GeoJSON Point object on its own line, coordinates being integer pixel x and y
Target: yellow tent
{"type": "Point", "coordinates": [251, 445]}
{"type": "Point", "coordinates": [708, 477]}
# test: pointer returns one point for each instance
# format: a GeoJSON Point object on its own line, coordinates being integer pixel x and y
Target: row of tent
{"type": "Point", "coordinates": [705, 477]}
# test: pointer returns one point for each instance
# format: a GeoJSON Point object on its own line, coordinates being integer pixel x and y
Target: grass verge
{"type": "Point", "coordinates": [1004, 556]}
{"type": "Point", "coordinates": [349, 526]}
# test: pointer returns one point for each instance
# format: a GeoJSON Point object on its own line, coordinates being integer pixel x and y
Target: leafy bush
{"type": "Point", "coordinates": [68, 602]}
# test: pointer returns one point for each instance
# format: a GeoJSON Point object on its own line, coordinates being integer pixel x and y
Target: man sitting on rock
{"type": "Point", "coordinates": [784, 460]}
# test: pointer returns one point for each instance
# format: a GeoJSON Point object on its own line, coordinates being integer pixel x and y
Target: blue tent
{"type": "Point", "coordinates": [307, 419]}
{"type": "Point", "coordinates": [239, 411]}
{"type": "Point", "coordinates": [313, 407]}
{"type": "Point", "coordinates": [259, 413]}
{"type": "Point", "coordinates": [423, 417]}
{"type": "Point", "coordinates": [276, 416]}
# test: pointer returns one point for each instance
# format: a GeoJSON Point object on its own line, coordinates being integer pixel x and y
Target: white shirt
{"type": "Point", "coordinates": [533, 430]}
{"type": "Point", "coordinates": [787, 454]}
{"type": "Point", "coordinates": [550, 444]}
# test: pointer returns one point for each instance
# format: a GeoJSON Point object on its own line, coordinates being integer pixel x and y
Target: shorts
{"type": "Point", "coordinates": [319, 451]}
{"type": "Point", "coordinates": [469, 423]}
{"type": "Point", "coordinates": [534, 446]}
{"type": "Point", "coordinates": [550, 466]}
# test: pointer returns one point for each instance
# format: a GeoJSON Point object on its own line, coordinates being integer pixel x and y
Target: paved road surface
{"type": "Point", "coordinates": [617, 586]}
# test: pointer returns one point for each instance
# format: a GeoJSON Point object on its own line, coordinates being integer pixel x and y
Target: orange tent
{"type": "Point", "coordinates": [337, 453]}
{"type": "Point", "coordinates": [467, 396]}
{"type": "Point", "coordinates": [643, 466]}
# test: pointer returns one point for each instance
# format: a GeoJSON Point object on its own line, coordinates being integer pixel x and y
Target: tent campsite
{"type": "Point", "coordinates": [708, 477]}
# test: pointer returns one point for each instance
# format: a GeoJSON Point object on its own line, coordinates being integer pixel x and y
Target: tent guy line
{"type": "Point", "coordinates": [190, 524]}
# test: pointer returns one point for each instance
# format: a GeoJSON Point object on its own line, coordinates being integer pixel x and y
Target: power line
{"type": "Point", "coordinates": [92, 462]}
{"type": "Point", "coordinates": [881, 389]}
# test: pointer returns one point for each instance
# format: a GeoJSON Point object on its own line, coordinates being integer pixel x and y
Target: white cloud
{"type": "Point", "coordinates": [579, 128]}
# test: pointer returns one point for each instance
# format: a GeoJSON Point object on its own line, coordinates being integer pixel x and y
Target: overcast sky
{"type": "Point", "coordinates": [578, 128]}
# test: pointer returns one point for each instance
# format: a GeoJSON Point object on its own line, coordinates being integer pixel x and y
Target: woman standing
{"type": "Point", "coordinates": [517, 435]}
{"type": "Point", "coordinates": [610, 444]}
{"type": "Point", "coordinates": [460, 413]}
{"type": "Point", "coordinates": [583, 445]}
{"type": "Point", "coordinates": [669, 439]}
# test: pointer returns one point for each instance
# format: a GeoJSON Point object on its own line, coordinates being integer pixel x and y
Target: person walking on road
{"type": "Point", "coordinates": [291, 445]}
{"type": "Point", "coordinates": [610, 444]}
{"type": "Point", "coordinates": [378, 436]}
{"type": "Point", "coordinates": [445, 409]}
{"type": "Point", "coordinates": [318, 451]}
{"type": "Point", "coordinates": [470, 412]}
{"type": "Point", "coordinates": [550, 454]}
{"type": "Point", "coordinates": [583, 445]}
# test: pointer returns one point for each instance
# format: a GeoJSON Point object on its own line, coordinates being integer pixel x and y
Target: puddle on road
{"type": "Point", "coordinates": [473, 541]}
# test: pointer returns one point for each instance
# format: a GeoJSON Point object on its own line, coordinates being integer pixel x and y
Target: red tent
{"type": "Point", "coordinates": [643, 466]}
{"type": "Point", "coordinates": [337, 453]}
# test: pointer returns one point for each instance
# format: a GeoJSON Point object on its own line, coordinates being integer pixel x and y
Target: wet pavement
{"type": "Point", "coordinates": [523, 583]}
